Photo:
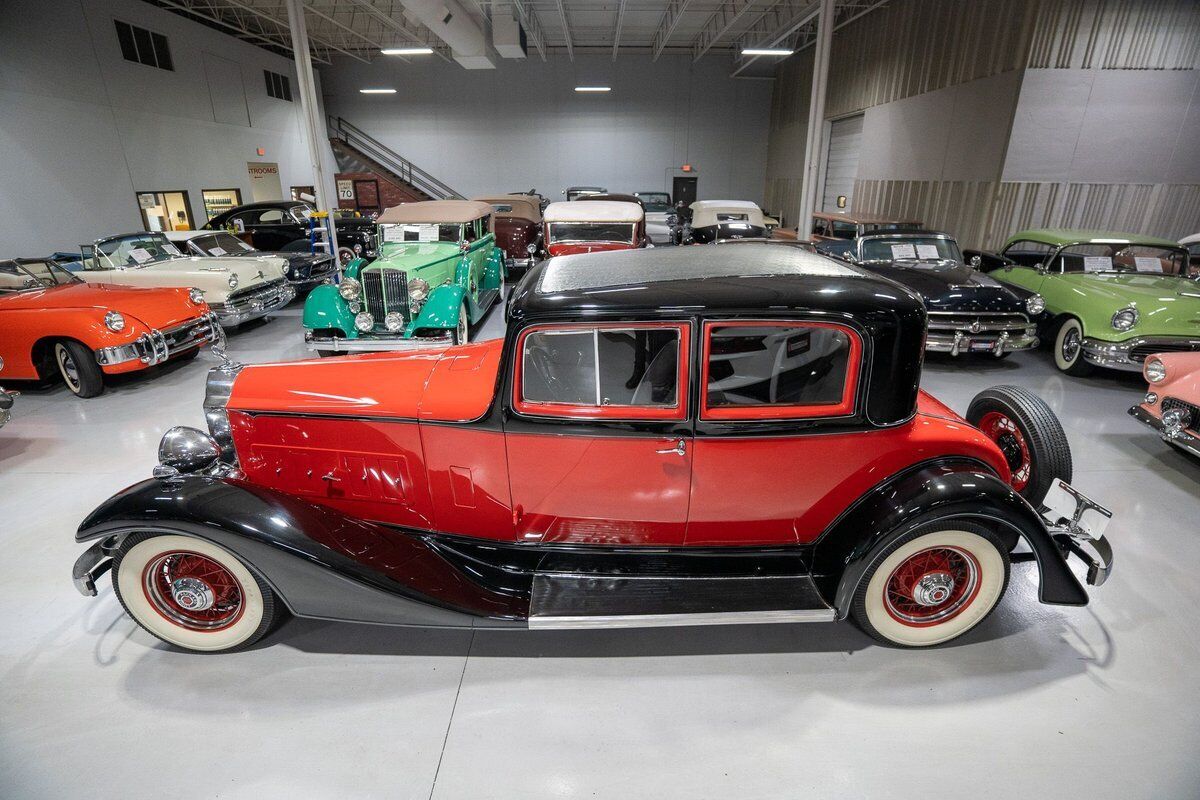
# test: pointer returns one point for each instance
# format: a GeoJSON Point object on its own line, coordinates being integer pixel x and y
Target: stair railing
{"type": "Point", "coordinates": [404, 169]}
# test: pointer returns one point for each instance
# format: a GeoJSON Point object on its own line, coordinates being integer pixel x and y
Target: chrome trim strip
{"type": "Point", "coordinates": [675, 620]}
{"type": "Point", "coordinates": [1184, 440]}
{"type": "Point", "coordinates": [1117, 355]}
{"type": "Point", "coordinates": [338, 344]}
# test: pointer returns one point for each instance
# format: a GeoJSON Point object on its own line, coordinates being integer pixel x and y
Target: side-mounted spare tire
{"type": "Point", "coordinates": [1028, 433]}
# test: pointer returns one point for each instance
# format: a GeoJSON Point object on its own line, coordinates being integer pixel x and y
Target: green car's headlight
{"type": "Point", "coordinates": [1125, 319]}
{"type": "Point", "coordinates": [350, 289]}
{"type": "Point", "coordinates": [418, 290]}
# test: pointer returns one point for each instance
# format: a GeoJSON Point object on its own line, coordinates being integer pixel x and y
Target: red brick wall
{"type": "Point", "coordinates": [390, 194]}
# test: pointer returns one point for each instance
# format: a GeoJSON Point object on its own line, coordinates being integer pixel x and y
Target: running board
{"type": "Point", "coordinates": [568, 601]}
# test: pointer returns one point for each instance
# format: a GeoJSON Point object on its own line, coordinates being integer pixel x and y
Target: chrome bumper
{"type": "Point", "coordinates": [254, 306]}
{"type": "Point", "coordinates": [158, 346]}
{"type": "Point", "coordinates": [1119, 355]}
{"type": "Point", "coordinates": [519, 263]}
{"type": "Point", "coordinates": [372, 344]}
{"type": "Point", "coordinates": [94, 562]}
{"type": "Point", "coordinates": [6, 404]}
{"type": "Point", "coordinates": [1183, 439]}
{"type": "Point", "coordinates": [966, 342]}
{"type": "Point", "coordinates": [1078, 523]}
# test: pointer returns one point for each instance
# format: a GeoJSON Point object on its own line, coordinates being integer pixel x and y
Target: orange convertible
{"type": "Point", "coordinates": [51, 323]}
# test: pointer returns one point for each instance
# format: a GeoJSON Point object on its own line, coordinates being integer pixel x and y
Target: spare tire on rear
{"type": "Point", "coordinates": [1028, 433]}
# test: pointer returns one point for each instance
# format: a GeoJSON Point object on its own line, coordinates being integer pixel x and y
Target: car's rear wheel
{"type": "Point", "coordinates": [1028, 434]}
{"type": "Point", "coordinates": [192, 593]}
{"type": "Point", "coordinates": [1068, 348]}
{"type": "Point", "coordinates": [932, 584]}
{"type": "Point", "coordinates": [462, 332]}
{"type": "Point", "coordinates": [78, 368]}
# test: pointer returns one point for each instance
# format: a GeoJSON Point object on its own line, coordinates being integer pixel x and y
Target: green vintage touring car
{"type": "Point", "coordinates": [1111, 298]}
{"type": "Point", "coordinates": [437, 273]}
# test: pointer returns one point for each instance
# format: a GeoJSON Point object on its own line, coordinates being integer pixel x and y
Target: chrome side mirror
{"type": "Point", "coordinates": [1039, 268]}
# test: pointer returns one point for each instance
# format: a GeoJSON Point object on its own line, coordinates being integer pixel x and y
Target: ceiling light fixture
{"type": "Point", "coordinates": [593, 88]}
{"type": "Point", "coordinates": [765, 51]}
{"type": "Point", "coordinates": [407, 51]}
{"type": "Point", "coordinates": [377, 91]}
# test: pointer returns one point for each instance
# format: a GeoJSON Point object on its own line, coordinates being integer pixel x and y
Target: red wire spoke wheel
{"type": "Point", "coordinates": [998, 427]}
{"type": "Point", "coordinates": [932, 584]}
{"type": "Point", "coordinates": [191, 592]}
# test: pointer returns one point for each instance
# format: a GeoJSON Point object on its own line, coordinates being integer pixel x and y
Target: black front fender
{"type": "Point", "coordinates": [951, 488]}
{"type": "Point", "coordinates": [322, 563]}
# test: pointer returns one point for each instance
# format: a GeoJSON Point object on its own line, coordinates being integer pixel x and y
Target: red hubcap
{"type": "Point", "coordinates": [1004, 432]}
{"type": "Point", "coordinates": [932, 586]}
{"type": "Point", "coordinates": [192, 591]}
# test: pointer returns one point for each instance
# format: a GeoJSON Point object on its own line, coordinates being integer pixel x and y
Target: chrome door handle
{"type": "Point", "coordinates": [679, 449]}
{"type": "Point", "coordinates": [331, 478]}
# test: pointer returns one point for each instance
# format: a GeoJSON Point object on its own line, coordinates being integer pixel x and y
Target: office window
{"type": "Point", "coordinates": [143, 47]}
{"type": "Point", "coordinates": [278, 86]}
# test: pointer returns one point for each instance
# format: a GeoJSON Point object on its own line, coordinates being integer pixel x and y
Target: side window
{"type": "Point", "coordinates": [1028, 254]}
{"type": "Point", "coordinates": [269, 216]}
{"type": "Point", "coordinates": [779, 370]}
{"type": "Point", "coordinates": [615, 371]}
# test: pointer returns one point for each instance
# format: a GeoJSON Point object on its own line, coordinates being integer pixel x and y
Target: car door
{"type": "Point", "coordinates": [598, 441]}
{"type": "Point", "coordinates": [769, 456]}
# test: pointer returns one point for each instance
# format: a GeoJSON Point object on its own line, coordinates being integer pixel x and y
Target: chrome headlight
{"type": "Point", "coordinates": [531, 249]}
{"type": "Point", "coordinates": [394, 321]}
{"type": "Point", "coordinates": [1125, 319]}
{"type": "Point", "coordinates": [358, 248]}
{"type": "Point", "coordinates": [188, 450]}
{"type": "Point", "coordinates": [1174, 421]}
{"type": "Point", "coordinates": [114, 322]}
{"type": "Point", "coordinates": [1151, 398]}
{"type": "Point", "coordinates": [1035, 305]}
{"type": "Point", "coordinates": [364, 322]}
{"type": "Point", "coordinates": [418, 290]}
{"type": "Point", "coordinates": [196, 296]}
{"type": "Point", "coordinates": [1155, 370]}
{"type": "Point", "coordinates": [233, 281]}
{"type": "Point", "coordinates": [350, 289]}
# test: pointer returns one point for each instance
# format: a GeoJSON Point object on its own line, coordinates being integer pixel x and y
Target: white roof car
{"type": "Point", "coordinates": [593, 211]}
{"type": "Point", "coordinates": [238, 289]}
{"type": "Point", "coordinates": [715, 212]}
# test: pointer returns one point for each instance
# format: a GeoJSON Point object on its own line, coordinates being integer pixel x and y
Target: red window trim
{"type": "Point", "coordinates": [841, 409]}
{"type": "Point", "coordinates": [572, 411]}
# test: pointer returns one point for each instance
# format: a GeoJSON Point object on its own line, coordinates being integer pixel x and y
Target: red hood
{"type": "Point", "coordinates": [572, 248]}
{"type": "Point", "coordinates": [453, 384]}
{"type": "Point", "coordinates": [158, 308]}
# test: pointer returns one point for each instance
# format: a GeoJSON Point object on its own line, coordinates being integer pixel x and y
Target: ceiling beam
{"type": "Point", "coordinates": [238, 27]}
{"type": "Point", "coordinates": [773, 27]}
{"type": "Point", "coordinates": [668, 24]}
{"type": "Point", "coordinates": [533, 28]}
{"type": "Point", "coordinates": [718, 25]}
{"type": "Point", "coordinates": [423, 37]}
{"type": "Point", "coordinates": [617, 32]}
{"type": "Point", "coordinates": [806, 31]}
{"type": "Point", "coordinates": [562, 15]}
{"type": "Point", "coordinates": [283, 25]}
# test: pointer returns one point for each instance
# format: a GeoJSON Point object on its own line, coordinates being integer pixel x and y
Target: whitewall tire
{"type": "Point", "coordinates": [192, 593]}
{"type": "Point", "coordinates": [462, 332]}
{"type": "Point", "coordinates": [932, 585]}
{"type": "Point", "coordinates": [1068, 348]}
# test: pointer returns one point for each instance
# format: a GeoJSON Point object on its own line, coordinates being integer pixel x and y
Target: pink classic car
{"type": "Point", "coordinates": [1172, 405]}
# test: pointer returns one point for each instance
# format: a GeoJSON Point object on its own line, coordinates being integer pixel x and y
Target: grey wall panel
{"type": "Point", "coordinates": [522, 125]}
{"type": "Point", "coordinates": [225, 90]}
{"type": "Point", "coordinates": [958, 207]}
{"type": "Point", "coordinates": [1116, 34]}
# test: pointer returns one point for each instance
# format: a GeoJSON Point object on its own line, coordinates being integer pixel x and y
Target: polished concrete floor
{"type": "Point", "coordinates": [1098, 702]}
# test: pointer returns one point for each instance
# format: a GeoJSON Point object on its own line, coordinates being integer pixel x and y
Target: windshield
{"type": "Point", "coordinates": [911, 248]}
{"type": "Point", "coordinates": [655, 201]}
{"type": "Point", "coordinates": [1101, 257]}
{"type": "Point", "coordinates": [135, 250]}
{"type": "Point", "coordinates": [591, 232]}
{"type": "Point", "coordinates": [220, 244]}
{"type": "Point", "coordinates": [423, 232]}
{"type": "Point", "coordinates": [33, 275]}
{"type": "Point", "coordinates": [652, 206]}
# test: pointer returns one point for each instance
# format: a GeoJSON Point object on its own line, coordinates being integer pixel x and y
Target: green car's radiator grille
{"type": "Point", "coordinates": [385, 290]}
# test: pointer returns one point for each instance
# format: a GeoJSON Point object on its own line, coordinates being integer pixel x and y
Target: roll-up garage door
{"type": "Point", "coordinates": [841, 165]}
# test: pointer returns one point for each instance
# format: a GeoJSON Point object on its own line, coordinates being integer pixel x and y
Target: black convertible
{"type": "Point", "coordinates": [283, 225]}
{"type": "Point", "coordinates": [968, 311]}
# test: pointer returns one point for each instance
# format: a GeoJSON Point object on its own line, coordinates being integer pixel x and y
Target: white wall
{"type": "Point", "coordinates": [82, 129]}
{"type": "Point", "coordinates": [522, 125]}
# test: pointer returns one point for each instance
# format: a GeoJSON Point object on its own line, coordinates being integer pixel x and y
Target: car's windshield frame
{"type": "Point", "coordinates": [954, 251]}
{"type": "Point", "coordinates": [581, 226]}
{"type": "Point", "coordinates": [167, 251]}
{"type": "Point", "coordinates": [1053, 263]}
{"type": "Point", "coordinates": [213, 238]}
{"type": "Point", "coordinates": [60, 275]}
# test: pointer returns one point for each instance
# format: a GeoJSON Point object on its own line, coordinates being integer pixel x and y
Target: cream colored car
{"type": "Point", "coordinates": [237, 289]}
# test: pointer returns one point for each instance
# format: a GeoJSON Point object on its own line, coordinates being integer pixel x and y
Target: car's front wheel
{"type": "Point", "coordinates": [1068, 348]}
{"type": "Point", "coordinates": [78, 368]}
{"type": "Point", "coordinates": [462, 332]}
{"type": "Point", "coordinates": [932, 584]}
{"type": "Point", "coordinates": [191, 593]}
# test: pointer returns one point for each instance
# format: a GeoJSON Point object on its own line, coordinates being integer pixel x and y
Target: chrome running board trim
{"type": "Point", "coordinates": [679, 620]}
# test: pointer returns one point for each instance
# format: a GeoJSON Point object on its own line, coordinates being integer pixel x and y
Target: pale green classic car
{"type": "Point", "coordinates": [1112, 299]}
{"type": "Point", "coordinates": [437, 273]}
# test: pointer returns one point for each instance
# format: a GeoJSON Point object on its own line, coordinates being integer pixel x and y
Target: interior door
{"type": "Point", "coordinates": [684, 190]}
{"type": "Point", "coordinates": [599, 448]}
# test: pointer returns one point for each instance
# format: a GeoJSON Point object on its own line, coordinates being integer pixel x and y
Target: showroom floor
{"type": "Point", "coordinates": [1092, 703]}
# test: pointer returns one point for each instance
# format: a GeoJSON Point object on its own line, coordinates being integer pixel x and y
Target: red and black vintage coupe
{"type": "Point", "coordinates": [679, 436]}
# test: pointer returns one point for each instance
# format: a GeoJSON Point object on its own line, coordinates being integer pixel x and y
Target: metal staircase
{"type": "Point", "coordinates": [348, 137]}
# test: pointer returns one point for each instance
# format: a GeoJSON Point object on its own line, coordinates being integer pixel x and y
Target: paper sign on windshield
{"type": "Point", "coordinates": [217, 251]}
{"type": "Point", "coordinates": [172, 249]}
{"type": "Point", "coordinates": [928, 252]}
{"type": "Point", "coordinates": [393, 233]}
{"type": "Point", "coordinates": [140, 254]}
{"type": "Point", "coordinates": [1097, 263]}
{"type": "Point", "coordinates": [1147, 264]}
{"type": "Point", "coordinates": [906, 250]}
